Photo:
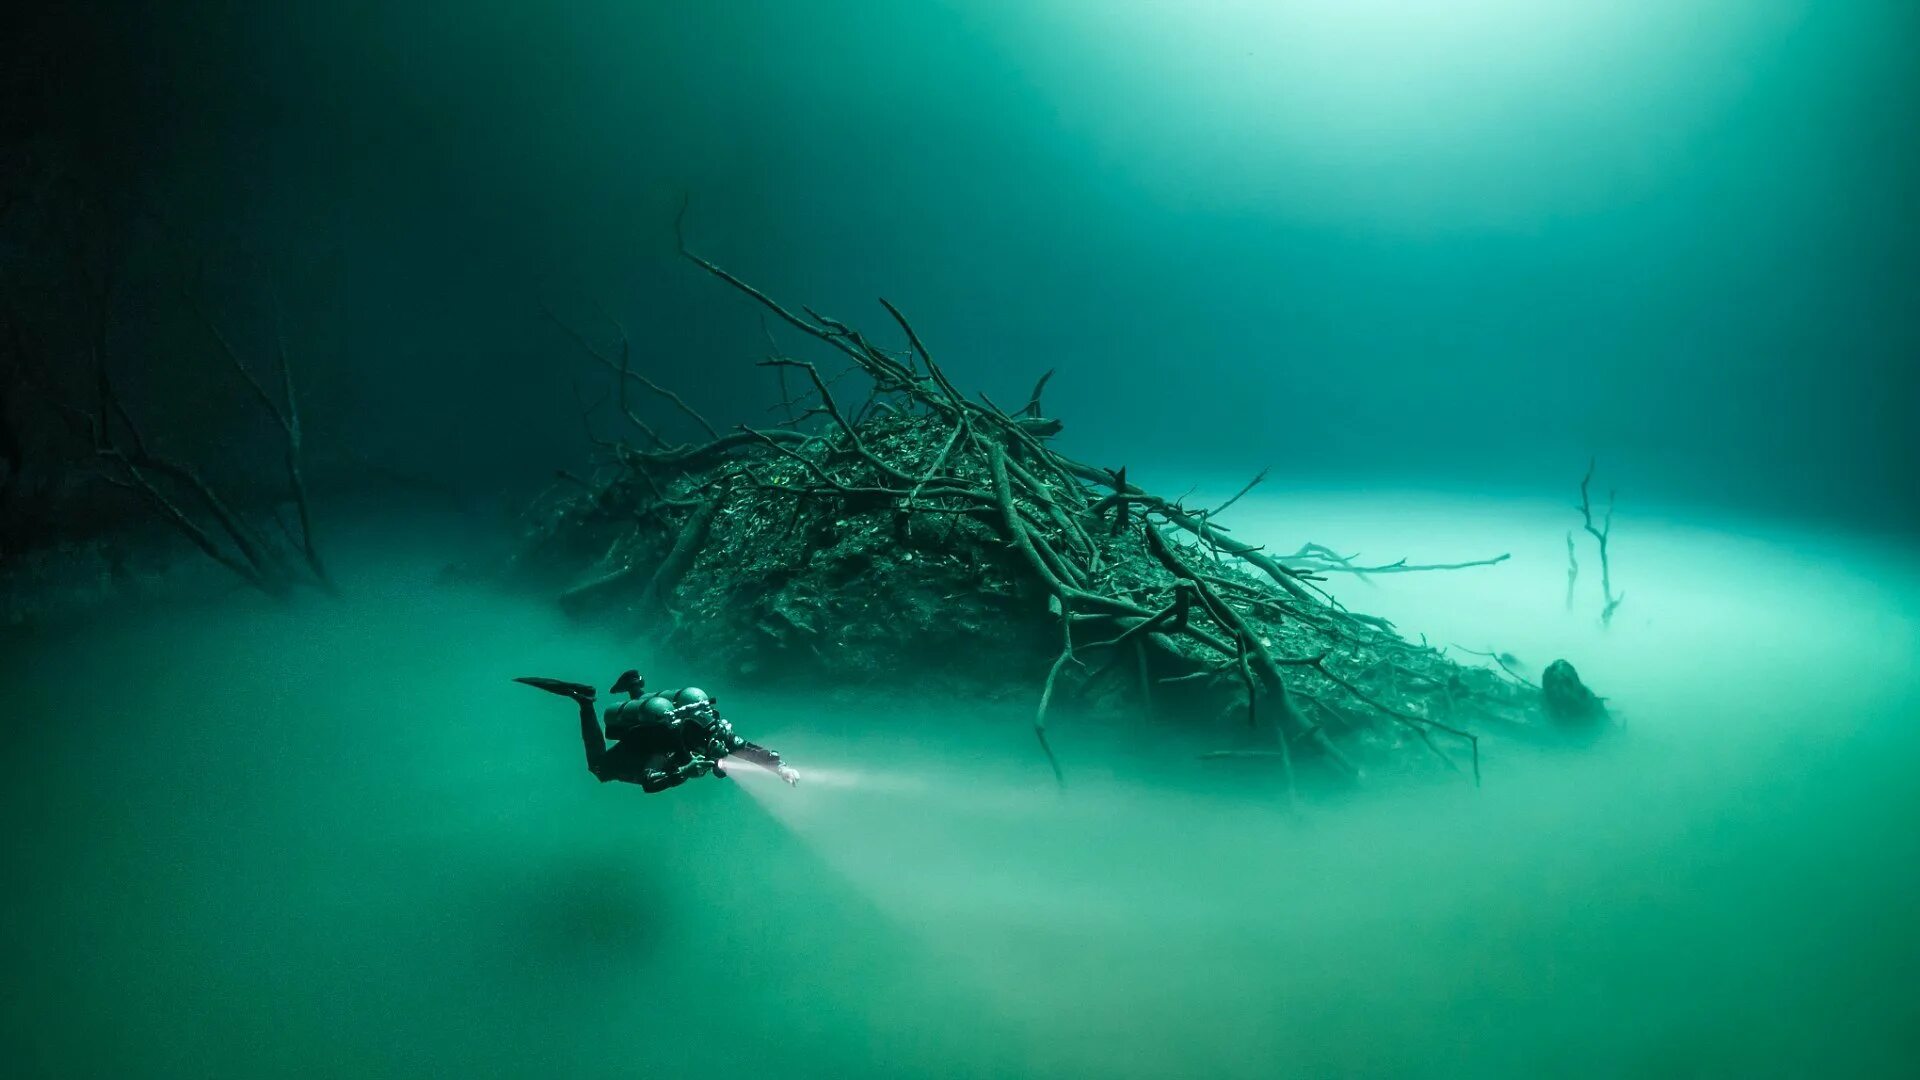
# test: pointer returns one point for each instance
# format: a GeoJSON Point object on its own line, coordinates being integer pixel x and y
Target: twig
{"type": "Point", "coordinates": [913, 338]}
{"type": "Point", "coordinates": [1600, 536]}
{"type": "Point", "coordinates": [1251, 484]}
{"type": "Point", "coordinates": [959, 431]}
{"type": "Point", "coordinates": [1046, 695]}
{"type": "Point", "coordinates": [1500, 659]}
{"type": "Point", "coordinates": [1033, 399]}
{"type": "Point", "coordinates": [1573, 569]}
{"type": "Point", "coordinates": [623, 368]}
{"type": "Point", "coordinates": [1325, 560]}
{"type": "Point", "coordinates": [290, 422]}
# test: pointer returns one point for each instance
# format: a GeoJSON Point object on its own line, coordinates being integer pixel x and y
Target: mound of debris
{"type": "Point", "coordinates": [922, 538]}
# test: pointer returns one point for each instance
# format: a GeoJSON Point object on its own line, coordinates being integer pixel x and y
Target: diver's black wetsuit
{"type": "Point", "coordinates": [660, 740]}
{"type": "Point", "coordinates": [667, 752]}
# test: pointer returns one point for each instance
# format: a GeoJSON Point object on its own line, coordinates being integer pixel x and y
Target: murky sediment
{"type": "Point", "coordinates": [332, 839]}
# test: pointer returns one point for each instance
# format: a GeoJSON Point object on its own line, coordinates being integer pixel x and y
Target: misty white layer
{"type": "Point", "coordinates": [335, 837]}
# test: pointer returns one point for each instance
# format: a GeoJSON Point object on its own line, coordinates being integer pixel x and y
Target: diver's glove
{"type": "Point", "coordinates": [790, 774]}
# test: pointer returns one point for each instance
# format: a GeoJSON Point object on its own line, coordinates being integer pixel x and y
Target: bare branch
{"type": "Point", "coordinates": [1033, 399]}
{"type": "Point", "coordinates": [1601, 534]}
{"type": "Point", "coordinates": [623, 368]}
{"type": "Point", "coordinates": [1323, 559]}
{"type": "Point", "coordinates": [1046, 695]}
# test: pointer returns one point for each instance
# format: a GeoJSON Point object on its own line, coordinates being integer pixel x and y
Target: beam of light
{"type": "Point", "coordinates": [824, 791]}
{"type": "Point", "coordinates": [870, 778]}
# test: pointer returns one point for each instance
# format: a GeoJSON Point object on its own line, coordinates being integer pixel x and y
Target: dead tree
{"type": "Point", "coordinates": [271, 556]}
{"type": "Point", "coordinates": [1609, 601]}
{"type": "Point", "coordinates": [87, 243]}
{"type": "Point", "coordinates": [1105, 587]}
{"type": "Point", "coordinates": [285, 414]}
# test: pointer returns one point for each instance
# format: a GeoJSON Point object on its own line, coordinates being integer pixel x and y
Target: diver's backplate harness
{"type": "Point", "coordinates": [660, 740]}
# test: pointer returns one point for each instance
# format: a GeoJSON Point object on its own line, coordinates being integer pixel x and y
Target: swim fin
{"type": "Point", "coordinates": [574, 690]}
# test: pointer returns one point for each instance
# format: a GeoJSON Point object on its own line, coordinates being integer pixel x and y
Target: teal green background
{"type": "Point", "coordinates": [1471, 242]}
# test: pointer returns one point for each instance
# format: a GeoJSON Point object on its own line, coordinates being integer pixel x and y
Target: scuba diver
{"type": "Point", "coordinates": [660, 740]}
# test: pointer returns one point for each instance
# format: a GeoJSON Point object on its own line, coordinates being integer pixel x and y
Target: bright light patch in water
{"type": "Point", "coordinates": [1399, 113]}
{"type": "Point", "coordinates": [871, 776]}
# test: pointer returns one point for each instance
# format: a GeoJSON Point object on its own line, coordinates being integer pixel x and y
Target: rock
{"type": "Point", "coordinates": [1567, 699]}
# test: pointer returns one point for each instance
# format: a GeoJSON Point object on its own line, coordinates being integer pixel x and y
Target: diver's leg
{"type": "Point", "coordinates": [590, 735]}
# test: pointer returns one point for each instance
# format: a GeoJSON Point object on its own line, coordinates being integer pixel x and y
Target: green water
{"type": "Point", "coordinates": [1406, 252]}
{"type": "Point", "coordinates": [330, 839]}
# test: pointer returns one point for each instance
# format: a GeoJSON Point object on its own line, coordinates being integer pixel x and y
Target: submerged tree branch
{"type": "Point", "coordinates": [1609, 600]}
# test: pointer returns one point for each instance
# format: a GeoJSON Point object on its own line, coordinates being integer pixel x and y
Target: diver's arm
{"type": "Point", "coordinates": [654, 781]}
{"type": "Point", "coordinates": [659, 775]}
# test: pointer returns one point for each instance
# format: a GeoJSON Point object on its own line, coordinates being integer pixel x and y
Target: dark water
{"type": "Point", "coordinates": [1462, 243]}
{"type": "Point", "coordinates": [331, 840]}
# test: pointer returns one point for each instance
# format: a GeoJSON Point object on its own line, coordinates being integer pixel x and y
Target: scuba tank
{"type": "Point", "coordinates": [654, 710]}
{"type": "Point", "coordinates": [627, 717]}
{"type": "Point", "coordinates": [640, 710]}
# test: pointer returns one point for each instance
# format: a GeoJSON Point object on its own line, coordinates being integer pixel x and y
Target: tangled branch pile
{"type": "Point", "coordinates": [926, 537]}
